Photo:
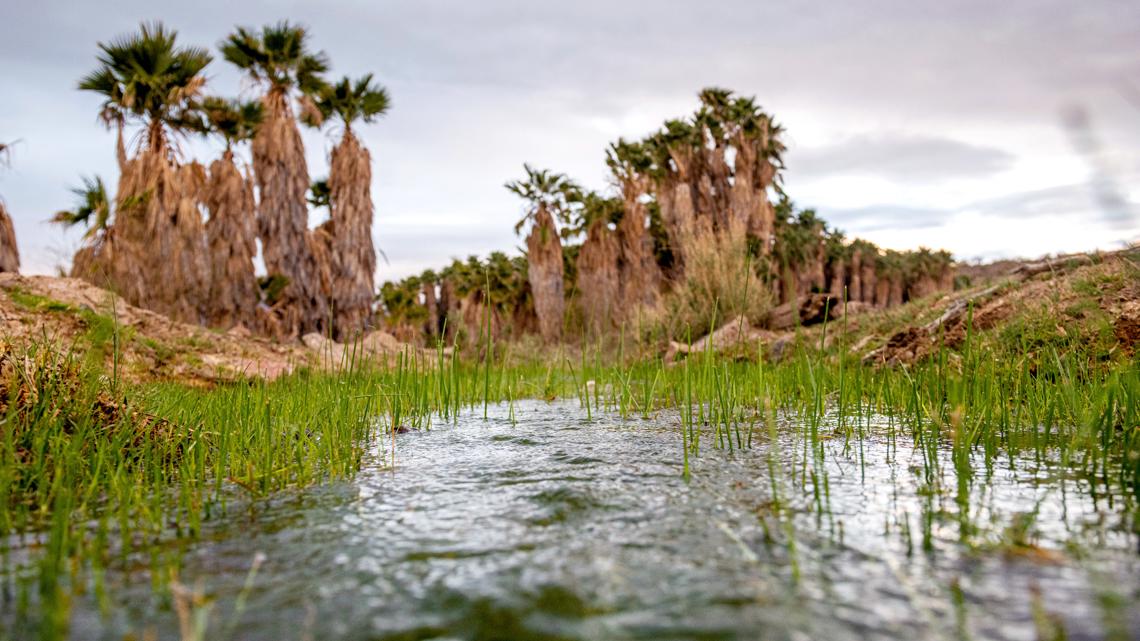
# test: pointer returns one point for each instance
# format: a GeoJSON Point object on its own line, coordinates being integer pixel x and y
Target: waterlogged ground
{"type": "Point", "coordinates": [541, 524]}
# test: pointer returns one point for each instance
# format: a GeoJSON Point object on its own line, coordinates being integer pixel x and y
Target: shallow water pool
{"type": "Point", "coordinates": [540, 524]}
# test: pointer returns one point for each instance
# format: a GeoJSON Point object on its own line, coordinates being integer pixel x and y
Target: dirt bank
{"type": "Point", "coordinates": [70, 312]}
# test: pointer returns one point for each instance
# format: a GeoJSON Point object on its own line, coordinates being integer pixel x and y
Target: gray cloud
{"type": "Point", "coordinates": [886, 216]}
{"type": "Point", "coordinates": [1053, 201]}
{"type": "Point", "coordinates": [900, 157]}
{"type": "Point", "coordinates": [479, 88]}
{"type": "Point", "coordinates": [1073, 201]}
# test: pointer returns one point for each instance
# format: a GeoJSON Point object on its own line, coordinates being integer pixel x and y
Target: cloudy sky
{"type": "Point", "coordinates": [989, 129]}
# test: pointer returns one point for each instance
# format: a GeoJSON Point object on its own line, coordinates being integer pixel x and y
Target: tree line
{"type": "Point", "coordinates": [695, 217]}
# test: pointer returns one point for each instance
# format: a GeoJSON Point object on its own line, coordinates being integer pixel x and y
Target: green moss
{"type": "Point", "coordinates": [35, 302]}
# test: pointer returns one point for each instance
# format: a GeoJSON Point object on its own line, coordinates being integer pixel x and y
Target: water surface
{"type": "Point", "coordinates": [540, 524]}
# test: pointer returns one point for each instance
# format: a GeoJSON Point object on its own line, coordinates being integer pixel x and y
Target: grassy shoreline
{"type": "Point", "coordinates": [94, 468]}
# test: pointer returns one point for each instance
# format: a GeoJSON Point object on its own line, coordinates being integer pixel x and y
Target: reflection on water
{"type": "Point", "coordinates": [555, 527]}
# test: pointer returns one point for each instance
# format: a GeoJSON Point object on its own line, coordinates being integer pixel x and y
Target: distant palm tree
{"type": "Point", "coordinates": [549, 195]}
{"type": "Point", "coordinates": [154, 254]}
{"type": "Point", "coordinates": [319, 194]}
{"type": "Point", "coordinates": [231, 231]}
{"type": "Point", "coordinates": [279, 59]}
{"type": "Point", "coordinates": [92, 208]}
{"type": "Point", "coordinates": [95, 210]}
{"type": "Point", "coordinates": [350, 198]}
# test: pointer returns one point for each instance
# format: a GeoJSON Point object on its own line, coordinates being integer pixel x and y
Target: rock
{"type": "Point", "coordinates": [810, 310]}
{"type": "Point", "coordinates": [316, 341]}
{"type": "Point", "coordinates": [382, 343]}
{"type": "Point", "coordinates": [855, 308]}
{"type": "Point", "coordinates": [728, 336]}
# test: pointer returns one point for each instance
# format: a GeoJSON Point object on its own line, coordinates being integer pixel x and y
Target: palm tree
{"type": "Point", "coordinates": [95, 210]}
{"type": "Point", "coordinates": [92, 208]}
{"type": "Point", "coordinates": [155, 253]}
{"type": "Point", "coordinates": [597, 260]}
{"type": "Point", "coordinates": [278, 58]}
{"type": "Point", "coordinates": [9, 253]}
{"type": "Point", "coordinates": [350, 198]}
{"type": "Point", "coordinates": [838, 256]}
{"type": "Point", "coordinates": [549, 196]}
{"type": "Point", "coordinates": [759, 147]}
{"type": "Point", "coordinates": [434, 322]}
{"type": "Point", "coordinates": [638, 273]}
{"type": "Point", "coordinates": [673, 151]}
{"type": "Point", "coordinates": [862, 270]}
{"type": "Point", "coordinates": [890, 275]}
{"type": "Point", "coordinates": [714, 119]}
{"type": "Point", "coordinates": [231, 231]}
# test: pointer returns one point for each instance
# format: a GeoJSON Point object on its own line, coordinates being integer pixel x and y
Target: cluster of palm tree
{"type": "Point", "coordinates": [465, 299]}
{"type": "Point", "coordinates": [182, 239]}
{"type": "Point", "coordinates": [710, 182]}
{"type": "Point", "coordinates": [809, 257]}
{"type": "Point", "coordinates": [709, 174]}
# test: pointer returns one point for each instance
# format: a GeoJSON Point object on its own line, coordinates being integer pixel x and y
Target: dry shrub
{"type": "Point", "coordinates": [44, 389]}
{"type": "Point", "coordinates": [720, 278]}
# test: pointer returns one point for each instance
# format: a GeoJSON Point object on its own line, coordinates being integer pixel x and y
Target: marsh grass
{"type": "Point", "coordinates": [92, 471]}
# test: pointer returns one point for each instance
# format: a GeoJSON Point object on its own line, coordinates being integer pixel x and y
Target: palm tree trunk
{"type": "Point", "coordinates": [678, 199]}
{"type": "Point", "coordinates": [638, 273]}
{"type": "Point", "coordinates": [883, 291]}
{"type": "Point", "coordinates": [231, 233]}
{"type": "Point", "coordinates": [819, 267]}
{"type": "Point", "coordinates": [477, 319]}
{"type": "Point", "coordinates": [855, 278]}
{"type": "Point", "coordinates": [326, 261]}
{"type": "Point", "coordinates": [156, 253]}
{"type": "Point", "coordinates": [743, 201]}
{"type": "Point", "coordinates": [870, 280]}
{"type": "Point", "coordinates": [350, 184]}
{"type": "Point", "coordinates": [897, 288]}
{"type": "Point", "coordinates": [946, 279]}
{"type": "Point", "coordinates": [283, 217]}
{"type": "Point", "coordinates": [431, 326]}
{"type": "Point", "coordinates": [838, 281]}
{"type": "Point", "coordinates": [120, 147]}
{"type": "Point", "coordinates": [449, 307]}
{"type": "Point", "coordinates": [544, 272]}
{"type": "Point", "coordinates": [598, 277]}
{"type": "Point", "coordinates": [762, 223]}
{"type": "Point", "coordinates": [922, 286]}
{"type": "Point", "coordinates": [712, 187]}
{"type": "Point", "coordinates": [9, 253]}
{"type": "Point", "coordinates": [184, 253]}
